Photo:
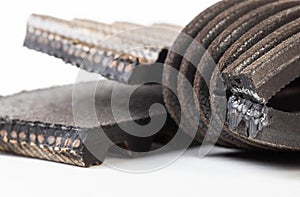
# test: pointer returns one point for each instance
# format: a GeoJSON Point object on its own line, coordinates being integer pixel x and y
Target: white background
{"type": "Point", "coordinates": [223, 173]}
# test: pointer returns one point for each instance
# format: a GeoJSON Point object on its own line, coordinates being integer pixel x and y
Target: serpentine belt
{"type": "Point", "coordinates": [245, 53]}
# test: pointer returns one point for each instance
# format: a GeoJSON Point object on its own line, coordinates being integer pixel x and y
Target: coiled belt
{"type": "Point", "coordinates": [254, 45]}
